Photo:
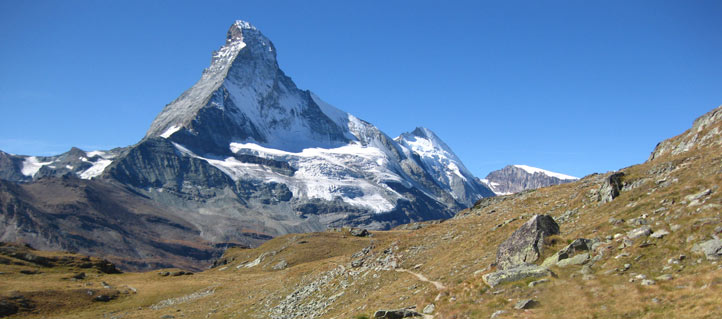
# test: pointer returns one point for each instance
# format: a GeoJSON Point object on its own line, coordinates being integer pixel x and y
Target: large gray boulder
{"type": "Point", "coordinates": [519, 272]}
{"type": "Point", "coordinates": [712, 249]}
{"type": "Point", "coordinates": [525, 244]}
{"type": "Point", "coordinates": [611, 187]}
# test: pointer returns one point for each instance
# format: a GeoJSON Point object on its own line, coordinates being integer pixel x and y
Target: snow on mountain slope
{"type": "Point", "coordinates": [353, 173]}
{"type": "Point", "coordinates": [31, 166]}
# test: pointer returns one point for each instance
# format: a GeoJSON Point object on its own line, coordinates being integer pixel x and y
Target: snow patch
{"type": "Point", "coordinates": [532, 170]}
{"type": "Point", "coordinates": [95, 170]}
{"type": "Point", "coordinates": [31, 166]}
{"type": "Point", "coordinates": [170, 131]}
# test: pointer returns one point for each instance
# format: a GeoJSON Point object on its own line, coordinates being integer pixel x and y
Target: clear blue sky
{"type": "Point", "coordinates": [570, 86]}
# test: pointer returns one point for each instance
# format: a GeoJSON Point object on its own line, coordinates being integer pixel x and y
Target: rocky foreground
{"type": "Point", "coordinates": [641, 242]}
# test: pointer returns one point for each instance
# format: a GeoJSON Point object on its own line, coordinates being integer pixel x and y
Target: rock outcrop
{"type": "Point", "coordinates": [526, 243]}
{"type": "Point", "coordinates": [611, 187]}
{"type": "Point", "coordinates": [705, 131]}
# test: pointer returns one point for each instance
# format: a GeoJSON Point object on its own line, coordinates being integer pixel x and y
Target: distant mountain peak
{"type": "Point", "coordinates": [534, 170]}
{"type": "Point", "coordinates": [516, 178]}
{"type": "Point", "coordinates": [442, 163]}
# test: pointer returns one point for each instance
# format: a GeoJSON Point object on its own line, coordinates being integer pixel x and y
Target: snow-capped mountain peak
{"type": "Point", "coordinates": [444, 165]}
{"type": "Point", "coordinates": [245, 97]}
{"type": "Point", "coordinates": [433, 150]}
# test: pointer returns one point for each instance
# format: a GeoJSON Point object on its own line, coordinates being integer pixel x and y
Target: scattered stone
{"type": "Point", "coordinates": [622, 255]}
{"type": "Point", "coordinates": [167, 317]}
{"type": "Point", "coordinates": [525, 304]}
{"type": "Point", "coordinates": [79, 276]}
{"type": "Point", "coordinates": [280, 265]}
{"type": "Point", "coordinates": [513, 274]}
{"type": "Point", "coordinates": [660, 233]}
{"type": "Point", "coordinates": [665, 277]}
{"type": "Point", "coordinates": [29, 272]}
{"type": "Point", "coordinates": [394, 314]}
{"type": "Point", "coordinates": [526, 243]}
{"type": "Point", "coordinates": [675, 227]}
{"type": "Point", "coordinates": [103, 298]}
{"type": "Point", "coordinates": [626, 242]}
{"type": "Point", "coordinates": [164, 273]}
{"type": "Point", "coordinates": [538, 282]}
{"type": "Point", "coordinates": [359, 232]}
{"type": "Point", "coordinates": [579, 259]}
{"type": "Point", "coordinates": [639, 221]}
{"type": "Point", "coordinates": [645, 244]}
{"type": "Point", "coordinates": [639, 232]}
{"type": "Point", "coordinates": [695, 199]}
{"type": "Point", "coordinates": [718, 229]}
{"type": "Point", "coordinates": [648, 282]}
{"type": "Point", "coordinates": [497, 314]}
{"type": "Point", "coordinates": [429, 309]}
{"type": "Point", "coordinates": [615, 221]}
{"type": "Point", "coordinates": [712, 249]}
{"type": "Point", "coordinates": [357, 263]}
{"type": "Point", "coordinates": [105, 285]}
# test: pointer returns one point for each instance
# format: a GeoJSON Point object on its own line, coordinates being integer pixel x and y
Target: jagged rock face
{"type": "Point", "coordinates": [11, 167]}
{"type": "Point", "coordinates": [516, 178]}
{"type": "Point", "coordinates": [524, 246]}
{"type": "Point", "coordinates": [705, 131]}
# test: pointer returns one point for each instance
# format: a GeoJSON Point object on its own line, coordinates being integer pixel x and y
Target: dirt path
{"type": "Point", "coordinates": [438, 285]}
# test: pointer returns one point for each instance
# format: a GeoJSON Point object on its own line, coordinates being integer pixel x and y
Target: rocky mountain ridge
{"type": "Point", "coordinates": [516, 178]}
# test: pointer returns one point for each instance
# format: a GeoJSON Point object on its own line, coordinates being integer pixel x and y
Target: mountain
{"type": "Point", "coordinates": [242, 156]}
{"type": "Point", "coordinates": [641, 242]}
{"type": "Point", "coordinates": [444, 166]}
{"type": "Point", "coordinates": [516, 178]}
